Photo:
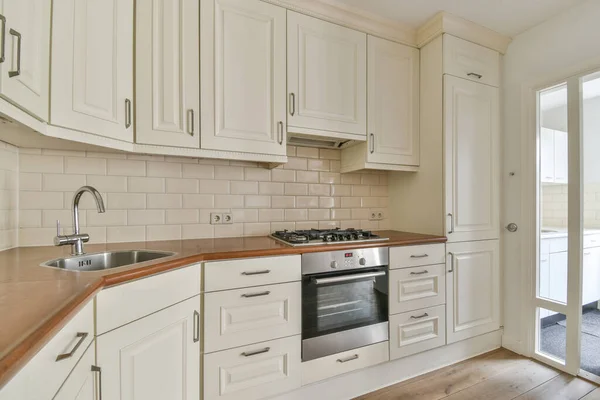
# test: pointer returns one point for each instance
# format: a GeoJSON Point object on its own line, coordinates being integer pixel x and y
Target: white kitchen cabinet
{"type": "Point", "coordinates": [468, 60]}
{"type": "Point", "coordinates": [472, 166]}
{"type": "Point", "coordinates": [591, 275]}
{"type": "Point", "coordinates": [554, 156]}
{"type": "Point", "coordinates": [473, 289]}
{"type": "Point", "coordinates": [416, 331]}
{"type": "Point", "coordinates": [561, 160]}
{"type": "Point", "coordinates": [243, 77]}
{"type": "Point", "coordinates": [547, 155]}
{"type": "Point", "coordinates": [393, 110]}
{"type": "Point", "coordinates": [154, 358]}
{"type": "Point", "coordinates": [557, 281]}
{"type": "Point", "coordinates": [81, 383]}
{"type": "Point", "coordinates": [92, 67]}
{"type": "Point", "coordinates": [26, 51]}
{"type": "Point", "coordinates": [326, 77]}
{"type": "Point", "coordinates": [167, 50]}
{"type": "Point", "coordinates": [418, 287]}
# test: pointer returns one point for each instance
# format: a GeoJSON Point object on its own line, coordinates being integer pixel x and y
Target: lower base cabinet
{"type": "Point", "coordinates": [154, 358]}
{"type": "Point", "coordinates": [253, 372]}
{"type": "Point", "coordinates": [82, 383]}
{"type": "Point", "coordinates": [416, 331]}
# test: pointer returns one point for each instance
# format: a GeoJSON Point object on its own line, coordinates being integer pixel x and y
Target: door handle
{"type": "Point", "coordinates": [451, 223]}
{"type": "Point", "coordinates": [372, 137]}
{"type": "Point", "coordinates": [196, 337]}
{"type": "Point", "coordinates": [292, 104]}
{"type": "Point", "coordinates": [97, 369]}
{"type": "Point", "coordinates": [127, 113]}
{"type": "Point", "coordinates": [280, 132]}
{"type": "Point", "coordinates": [343, 360]}
{"type": "Point", "coordinates": [451, 261]}
{"type": "Point", "coordinates": [191, 122]}
{"type": "Point", "coordinates": [64, 356]}
{"type": "Point", "coordinates": [17, 72]}
{"type": "Point", "coordinates": [512, 227]}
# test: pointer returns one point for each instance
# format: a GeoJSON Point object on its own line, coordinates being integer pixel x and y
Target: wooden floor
{"type": "Point", "coordinates": [500, 374]}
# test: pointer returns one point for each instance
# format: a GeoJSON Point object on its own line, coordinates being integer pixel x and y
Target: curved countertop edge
{"type": "Point", "coordinates": [21, 353]}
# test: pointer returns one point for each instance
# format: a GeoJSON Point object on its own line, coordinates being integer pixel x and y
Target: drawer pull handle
{"type": "Point", "coordinates": [255, 352]}
{"type": "Point", "coordinates": [265, 271]}
{"type": "Point", "coordinates": [81, 336]}
{"type": "Point", "coordinates": [265, 293]}
{"type": "Point", "coordinates": [420, 316]}
{"type": "Point", "coordinates": [97, 369]}
{"type": "Point", "coordinates": [16, 72]}
{"type": "Point", "coordinates": [419, 256]}
{"type": "Point", "coordinates": [292, 104]}
{"type": "Point", "coordinates": [474, 75]}
{"type": "Point", "coordinates": [196, 337]}
{"type": "Point", "coordinates": [343, 360]}
{"type": "Point", "coordinates": [420, 273]}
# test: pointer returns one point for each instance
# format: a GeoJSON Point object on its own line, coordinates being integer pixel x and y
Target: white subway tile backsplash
{"type": "Point", "coordinates": [198, 171]}
{"type": "Point", "coordinates": [163, 169]}
{"type": "Point", "coordinates": [125, 167]}
{"type": "Point", "coordinates": [30, 219]}
{"type": "Point", "coordinates": [296, 163]}
{"type": "Point", "coordinates": [182, 216]}
{"type": "Point", "coordinates": [214, 187]}
{"type": "Point", "coordinates": [318, 214]}
{"type": "Point", "coordinates": [30, 181]}
{"type": "Point", "coordinates": [270, 188]}
{"type": "Point", "coordinates": [179, 185]}
{"type": "Point", "coordinates": [125, 201]}
{"type": "Point", "coordinates": [270, 215]}
{"type": "Point", "coordinates": [62, 183]}
{"type": "Point", "coordinates": [307, 201]}
{"type": "Point", "coordinates": [229, 173]}
{"type": "Point", "coordinates": [307, 152]}
{"type": "Point", "coordinates": [297, 214]}
{"type": "Point", "coordinates": [252, 201]}
{"type": "Point", "coordinates": [83, 165]}
{"type": "Point", "coordinates": [318, 165]}
{"type": "Point", "coordinates": [257, 174]}
{"type": "Point", "coordinates": [108, 184]}
{"type": "Point", "coordinates": [242, 187]}
{"type": "Point", "coordinates": [329, 177]}
{"type": "Point", "coordinates": [319, 190]}
{"type": "Point", "coordinates": [283, 201]}
{"type": "Point", "coordinates": [146, 217]}
{"type": "Point", "coordinates": [197, 231]}
{"type": "Point", "coordinates": [115, 234]}
{"type": "Point", "coordinates": [108, 218]}
{"type": "Point", "coordinates": [257, 229]}
{"type": "Point", "coordinates": [198, 201]}
{"type": "Point", "coordinates": [40, 163]}
{"type": "Point", "coordinates": [164, 201]}
{"type": "Point", "coordinates": [283, 175]}
{"type": "Point", "coordinates": [145, 185]}
{"type": "Point", "coordinates": [229, 230]}
{"type": "Point", "coordinates": [244, 215]}
{"type": "Point", "coordinates": [229, 201]}
{"type": "Point", "coordinates": [163, 232]}
{"type": "Point", "coordinates": [40, 201]}
{"type": "Point", "coordinates": [307, 176]}
{"type": "Point", "coordinates": [296, 189]}
{"type": "Point", "coordinates": [330, 154]}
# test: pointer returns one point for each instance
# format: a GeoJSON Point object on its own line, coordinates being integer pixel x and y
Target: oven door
{"type": "Point", "coordinates": [343, 311]}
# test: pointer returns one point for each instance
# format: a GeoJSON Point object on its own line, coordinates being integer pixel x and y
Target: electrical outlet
{"type": "Point", "coordinates": [376, 215]}
{"type": "Point", "coordinates": [380, 215]}
{"type": "Point", "coordinates": [216, 218]}
{"type": "Point", "coordinates": [227, 218]}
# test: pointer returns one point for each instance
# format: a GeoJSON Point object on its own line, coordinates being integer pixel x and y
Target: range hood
{"type": "Point", "coordinates": [323, 140]}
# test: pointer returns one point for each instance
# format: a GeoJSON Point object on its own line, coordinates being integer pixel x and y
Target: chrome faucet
{"type": "Point", "coordinates": [76, 240]}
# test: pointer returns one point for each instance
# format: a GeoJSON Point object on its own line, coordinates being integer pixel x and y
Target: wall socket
{"type": "Point", "coordinates": [221, 218]}
{"type": "Point", "coordinates": [376, 215]}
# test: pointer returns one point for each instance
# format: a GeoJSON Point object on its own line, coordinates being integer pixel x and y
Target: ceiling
{"type": "Point", "coordinates": [508, 17]}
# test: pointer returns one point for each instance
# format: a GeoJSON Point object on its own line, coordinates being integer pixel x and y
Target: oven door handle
{"type": "Point", "coordinates": [346, 278]}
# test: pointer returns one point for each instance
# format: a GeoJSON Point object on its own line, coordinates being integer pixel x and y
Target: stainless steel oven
{"type": "Point", "coordinates": [344, 300]}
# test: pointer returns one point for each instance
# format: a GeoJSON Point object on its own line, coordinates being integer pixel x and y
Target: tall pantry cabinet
{"type": "Point", "coordinates": [456, 191]}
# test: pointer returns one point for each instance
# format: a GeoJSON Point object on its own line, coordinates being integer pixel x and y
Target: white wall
{"type": "Point", "coordinates": [9, 166]}
{"type": "Point", "coordinates": [560, 47]}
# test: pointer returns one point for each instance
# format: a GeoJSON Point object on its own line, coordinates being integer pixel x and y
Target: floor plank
{"type": "Point", "coordinates": [563, 386]}
{"type": "Point", "coordinates": [595, 395]}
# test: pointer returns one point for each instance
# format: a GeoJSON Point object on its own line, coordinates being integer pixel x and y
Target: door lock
{"type": "Point", "coordinates": [512, 227]}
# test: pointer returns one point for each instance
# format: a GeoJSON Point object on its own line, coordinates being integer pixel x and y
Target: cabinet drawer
{"type": "Point", "coordinates": [243, 316]}
{"type": "Point", "coordinates": [144, 296]}
{"type": "Point", "coordinates": [591, 241]}
{"type": "Point", "coordinates": [252, 372]}
{"type": "Point", "coordinates": [417, 331]}
{"type": "Point", "coordinates": [232, 274]}
{"type": "Point", "coordinates": [347, 361]}
{"type": "Point", "coordinates": [413, 256]}
{"type": "Point", "coordinates": [418, 287]}
{"type": "Point", "coordinates": [41, 377]}
{"type": "Point", "coordinates": [471, 61]}
{"type": "Point", "coordinates": [558, 245]}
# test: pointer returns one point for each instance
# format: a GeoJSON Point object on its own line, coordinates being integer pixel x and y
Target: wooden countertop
{"type": "Point", "coordinates": [36, 301]}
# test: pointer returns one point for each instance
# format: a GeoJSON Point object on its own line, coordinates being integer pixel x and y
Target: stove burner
{"type": "Point", "coordinates": [316, 236]}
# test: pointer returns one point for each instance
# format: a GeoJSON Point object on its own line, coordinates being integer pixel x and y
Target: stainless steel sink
{"type": "Point", "coordinates": [106, 260]}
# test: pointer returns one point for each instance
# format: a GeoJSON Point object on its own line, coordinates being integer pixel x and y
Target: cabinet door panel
{"type": "Point", "coordinates": [417, 331]}
{"type": "Point", "coordinates": [561, 157]}
{"type": "Point", "coordinates": [472, 160]}
{"type": "Point", "coordinates": [473, 289]}
{"type": "Point", "coordinates": [30, 89]}
{"type": "Point", "coordinates": [393, 102]}
{"type": "Point", "coordinates": [81, 383]}
{"type": "Point", "coordinates": [153, 358]}
{"type": "Point", "coordinates": [558, 277]}
{"type": "Point", "coordinates": [327, 75]}
{"type": "Point", "coordinates": [419, 287]}
{"type": "Point", "coordinates": [92, 66]}
{"type": "Point", "coordinates": [247, 72]}
{"type": "Point", "coordinates": [168, 72]}
{"type": "Point", "coordinates": [547, 155]}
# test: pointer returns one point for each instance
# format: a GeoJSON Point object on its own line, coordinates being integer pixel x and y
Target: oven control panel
{"type": "Point", "coordinates": [344, 260]}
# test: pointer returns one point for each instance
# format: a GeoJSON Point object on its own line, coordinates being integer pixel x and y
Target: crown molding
{"type": "Point", "coordinates": [351, 17]}
{"type": "Point", "coordinates": [444, 22]}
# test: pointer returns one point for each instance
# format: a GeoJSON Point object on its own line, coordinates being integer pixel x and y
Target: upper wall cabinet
{"type": "Point", "coordinates": [327, 78]}
{"type": "Point", "coordinates": [393, 109]}
{"type": "Point", "coordinates": [243, 76]}
{"type": "Point", "coordinates": [92, 67]}
{"type": "Point", "coordinates": [168, 72]}
{"type": "Point", "coordinates": [554, 158]}
{"type": "Point", "coordinates": [25, 58]}
{"type": "Point", "coordinates": [471, 61]}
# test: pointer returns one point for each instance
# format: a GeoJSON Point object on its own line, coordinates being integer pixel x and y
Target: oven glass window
{"type": "Point", "coordinates": [344, 304]}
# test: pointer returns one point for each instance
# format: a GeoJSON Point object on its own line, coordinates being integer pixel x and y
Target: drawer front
{"type": "Point", "coordinates": [558, 245]}
{"type": "Point", "coordinates": [239, 317]}
{"type": "Point", "coordinates": [347, 361]}
{"type": "Point", "coordinates": [417, 331]}
{"type": "Point", "coordinates": [144, 296]}
{"type": "Point", "coordinates": [418, 287]}
{"type": "Point", "coordinates": [253, 372]}
{"type": "Point", "coordinates": [545, 246]}
{"type": "Point", "coordinates": [233, 274]}
{"type": "Point", "coordinates": [471, 61]}
{"type": "Point", "coordinates": [413, 256]}
{"type": "Point", "coordinates": [592, 240]}
{"type": "Point", "coordinates": [43, 375]}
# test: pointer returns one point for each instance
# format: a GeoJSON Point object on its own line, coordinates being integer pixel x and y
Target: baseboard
{"type": "Point", "coordinates": [370, 379]}
{"type": "Point", "coordinates": [512, 344]}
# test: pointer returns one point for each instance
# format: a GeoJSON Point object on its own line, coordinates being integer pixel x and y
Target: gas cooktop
{"type": "Point", "coordinates": [325, 236]}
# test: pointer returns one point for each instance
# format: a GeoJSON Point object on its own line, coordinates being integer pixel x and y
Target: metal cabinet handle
{"type": "Point", "coordinates": [473, 74]}
{"type": "Point", "coordinates": [3, 43]}
{"type": "Point", "coordinates": [420, 273]}
{"type": "Point", "coordinates": [419, 255]}
{"type": "Point", "coordinates": [372, 143]}
{"type": "Point", "coordinates": [97, 369]}
{"type": "Point", "coordinates": [196, 337]}
{"type": "Point", "coordinates": [265, 293]}
{"type": "Point", "coordinates": [280, 132]}
{"type": "Point", "coordinates": [419, 316]}
{"type": "Point", "coordinates": [127, 113]}
{"type": "Point", "coordinates": [18, 36]}
{"type": "Point", "coordinates": [255, 352]}
{"type": "Point", "coordinates": [81, 336]}
{"type": "Point", "coordinates": [343, 360]}
{"type": "Point", "coordinates": [451, 261]}
{"type": "Point", "coordinates": [451, 223]}
{"type": "Point", "coordinates": [191, 122]}
{"type": "Point", "coordinates": [264, 271]}
{"type": "Point", "coordinates": [347, 278]}
{"type": "Point", "coordinates": [292, 104]}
